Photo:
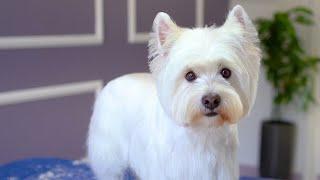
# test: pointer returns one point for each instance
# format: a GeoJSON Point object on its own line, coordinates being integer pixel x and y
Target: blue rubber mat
{"type": "Point", "coordinates": [53, 168]}
{"type": "Point", "coordinates": [45, 168]}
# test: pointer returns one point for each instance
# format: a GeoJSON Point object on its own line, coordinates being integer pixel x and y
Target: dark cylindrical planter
{"type": "Point", "coordinates": [276, 150]}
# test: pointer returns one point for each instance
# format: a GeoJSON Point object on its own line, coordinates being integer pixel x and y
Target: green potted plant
{"type": "Point", "coordinates": [291, 71]}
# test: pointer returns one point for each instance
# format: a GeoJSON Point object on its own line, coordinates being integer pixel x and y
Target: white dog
{"type": "Point", "coordinates": [178, 122]}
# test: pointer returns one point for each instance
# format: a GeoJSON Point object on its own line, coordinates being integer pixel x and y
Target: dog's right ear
{"type": "Point", "coordinates": [165, 32]}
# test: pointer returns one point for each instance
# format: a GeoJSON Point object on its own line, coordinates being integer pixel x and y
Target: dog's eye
{"type": "Point", "coordinates": [226, 73]}
{"type": "Point", "coordinates": [191, 76]}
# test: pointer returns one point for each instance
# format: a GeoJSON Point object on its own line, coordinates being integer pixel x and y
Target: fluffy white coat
{"type": "Point", "coordinates": [155, 123]}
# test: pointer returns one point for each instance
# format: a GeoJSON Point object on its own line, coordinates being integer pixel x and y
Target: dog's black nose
{"type": "Point", "coordinates": [211, 101]}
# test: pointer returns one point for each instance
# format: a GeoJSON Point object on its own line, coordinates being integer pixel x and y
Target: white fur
{"type": "Point", "coordinates": [155, 123]}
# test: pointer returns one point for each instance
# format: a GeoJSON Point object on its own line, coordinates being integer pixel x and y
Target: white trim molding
{"type": "Point", "coordinates": [50, 92]}
{"type": "Point", "coordinates": [45, 41]}
{"type": "Point", "coordinates": [142, 37]}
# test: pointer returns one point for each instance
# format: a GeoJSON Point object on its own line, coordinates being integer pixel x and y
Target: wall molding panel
{"type": "Point", "coordinates": [45, 41]}
{"type": "Point", "coordinates": [50, 92]}
{"type": "Point", "coordinates": [143, 37]}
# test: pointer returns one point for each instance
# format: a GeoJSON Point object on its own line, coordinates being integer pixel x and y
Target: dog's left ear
{"type": "Point", "coordinates": [238, 19]}
{"type": "Point", "coordinates": [239, 24]}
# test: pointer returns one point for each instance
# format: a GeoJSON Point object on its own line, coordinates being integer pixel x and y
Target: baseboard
{"type": "Point", "coordinates": [247, 170]}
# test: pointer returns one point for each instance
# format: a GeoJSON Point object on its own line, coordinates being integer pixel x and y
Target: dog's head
{"type": "Point", "coordinates": [205, 76]}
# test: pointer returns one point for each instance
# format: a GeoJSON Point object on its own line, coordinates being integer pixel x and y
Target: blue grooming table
{"type": "Point", "coordinates": [54, 168]}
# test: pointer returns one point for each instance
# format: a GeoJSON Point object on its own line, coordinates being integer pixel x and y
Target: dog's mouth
{"type": "Point", "coordinates": [211, 114]}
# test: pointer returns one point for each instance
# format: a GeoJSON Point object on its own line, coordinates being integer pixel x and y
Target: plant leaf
{"type": "Point", "coordinates": [304, 20]}
{"type": "Point", "coordinates": [301, 9]}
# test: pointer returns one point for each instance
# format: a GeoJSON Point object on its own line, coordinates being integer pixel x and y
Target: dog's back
{"type": "Point", "coordinates": [118, 109]}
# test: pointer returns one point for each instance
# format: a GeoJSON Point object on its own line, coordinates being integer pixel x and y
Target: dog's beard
{"type": "Point", "coordinates": [188, 111]}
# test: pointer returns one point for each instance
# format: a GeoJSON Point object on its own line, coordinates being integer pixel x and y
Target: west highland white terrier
{"type": "Point", "coordinates": [179, 122]}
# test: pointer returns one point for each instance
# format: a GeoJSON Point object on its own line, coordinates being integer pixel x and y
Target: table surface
{"type": "Point", "coordinates": [54, 168]}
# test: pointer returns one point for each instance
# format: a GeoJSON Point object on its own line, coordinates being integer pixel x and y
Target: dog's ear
{"type": "Point", "coordinates": [239, 19]}
{"type": "Point", "coordinates": [240, 25]}
{"type": "Point", "coordinates": [164, 33]}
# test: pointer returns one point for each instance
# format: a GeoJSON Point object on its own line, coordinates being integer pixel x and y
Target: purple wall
{"type": "Point", "coordinates": [57, 127]}
{"type": "Point", "coordinates": [34, 17]}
